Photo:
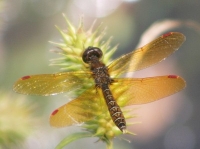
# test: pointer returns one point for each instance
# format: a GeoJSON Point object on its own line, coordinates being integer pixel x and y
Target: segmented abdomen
{"type": "Point", "coordinates": [114, 109]}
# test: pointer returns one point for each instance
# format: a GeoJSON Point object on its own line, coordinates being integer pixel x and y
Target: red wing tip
{"type": "Point", "coordinates": [167, 34]}
{"type": "Point", "coordinates": [54, 112]}
{"type": "Point", "coordinates": [25, 77]}
{"type": "Point", "coordinates": [173, 76]}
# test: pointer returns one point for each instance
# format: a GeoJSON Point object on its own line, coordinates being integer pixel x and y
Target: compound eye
{"type": "Point", "coordinates": [91, 52]}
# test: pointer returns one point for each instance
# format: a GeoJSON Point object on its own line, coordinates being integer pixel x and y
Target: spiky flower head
{"type": "Point", "coordinates": [15, 120]}
{"type": "Point", "coordinates": [75, 41]}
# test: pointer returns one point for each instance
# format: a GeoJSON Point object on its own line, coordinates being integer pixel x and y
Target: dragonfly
{"type": "Point", "coordinates": [114, 89]}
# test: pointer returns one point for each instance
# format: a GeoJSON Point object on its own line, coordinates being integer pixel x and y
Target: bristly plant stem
{"type": "Point", "coordinates": [110, 145]}
{"type": "Point", "coordinates": [97, 122]}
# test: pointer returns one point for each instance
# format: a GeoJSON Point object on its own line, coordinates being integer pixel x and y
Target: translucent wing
{"type": "Point", "coordinates": [77, 111]}
{"type": "Point", "coordinates": [148, 55]}
{"type": "Point", "coordinates": [51, 84]}
{"type": "Point", "coordinates": [145, 90]}
{"type": "Point", "coordinates": [133, 91]}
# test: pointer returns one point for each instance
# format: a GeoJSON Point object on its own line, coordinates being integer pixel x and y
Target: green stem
{"type": "Point", "coordinates": [109, 145]}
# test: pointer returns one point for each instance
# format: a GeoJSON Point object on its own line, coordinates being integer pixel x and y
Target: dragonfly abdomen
{"type": "Point", "coordinates": [114, 109]}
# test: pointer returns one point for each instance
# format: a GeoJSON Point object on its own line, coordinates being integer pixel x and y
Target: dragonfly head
{"type": "Point", "coordinates": [90, 53]}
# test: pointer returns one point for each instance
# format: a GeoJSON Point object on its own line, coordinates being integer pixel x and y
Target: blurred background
{"type": "Point", "coordinates": [27, 26]}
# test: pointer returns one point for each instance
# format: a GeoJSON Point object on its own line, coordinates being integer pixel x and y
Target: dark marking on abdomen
{"type": "Point", "coordinates": [113, 108]}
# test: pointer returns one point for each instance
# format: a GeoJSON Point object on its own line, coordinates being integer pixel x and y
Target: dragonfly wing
{"type": "Point", "coordinates": [76, 111]}
{"type": "Point", "coordinates": [148, 55]}
{"type": "Point", "coordinates": [133, 91]}
{"type": "Point", "coordinates": [51, 84]}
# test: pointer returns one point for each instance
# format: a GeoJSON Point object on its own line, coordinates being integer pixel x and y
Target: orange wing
{"type": "Point", "coordinates": [127, 90]}
{"type": "Point", "coordinates": [51, 84]}
{"type": "Point", "coordinates": [78, 110]}
{"type": "Point", "coordinates": [145, 90]}
{"type": "Point", "coordinates": [148, 55]}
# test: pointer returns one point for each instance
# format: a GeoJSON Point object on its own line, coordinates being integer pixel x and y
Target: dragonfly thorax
{"type": "Point", "coordinates": [101, 76]}
{"type": "Point", "coordinates": [100, 72]}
